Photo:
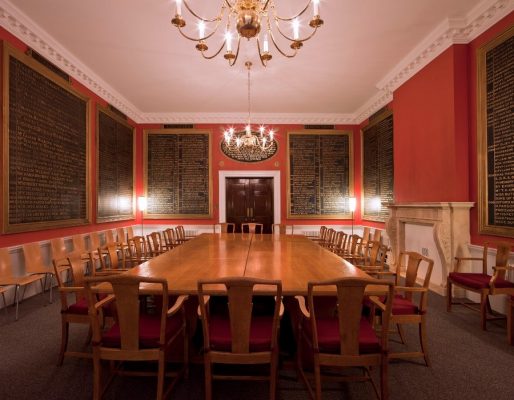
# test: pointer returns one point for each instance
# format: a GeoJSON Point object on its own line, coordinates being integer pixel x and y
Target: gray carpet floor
{"type": "Point", "coordinates": [467, 363]}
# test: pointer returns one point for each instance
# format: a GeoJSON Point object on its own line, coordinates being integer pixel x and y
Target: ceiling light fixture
{"type": "Point", "coordinates": [246, 19]}
{"type": "Point", "coordinates": [256, 141]}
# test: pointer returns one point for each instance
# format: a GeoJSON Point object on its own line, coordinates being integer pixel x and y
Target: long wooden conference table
{"type": "Point", "coordinates": [293, 259]}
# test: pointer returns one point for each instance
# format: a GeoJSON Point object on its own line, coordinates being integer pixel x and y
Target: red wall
{"type": "Point", "coordinates": [430, 143]}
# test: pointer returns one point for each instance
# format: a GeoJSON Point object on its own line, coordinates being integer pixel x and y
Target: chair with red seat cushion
{"type": "Point", "coordinates": [483, 283]}
{"type": "Point", "coordinates": [339, 337]}
{"type": "Point", "coordinates": [407, 308]}
{"type": "Point", "coordinates": [136, 335]}
{"type": "Point", "coordinates": [239, 331]}
{"type": "Point", "coordinates": [74, 310]}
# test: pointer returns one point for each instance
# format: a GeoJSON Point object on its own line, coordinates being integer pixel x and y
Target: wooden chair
{"type": "Point", "coordinates": [224, 227]}
{"type": "Point", "coordinates": [182, 233]}
{"type": "Point", "coordinates": [136, 335]}
{"type": "Point", "coordinates": [75, 310]}
{"type": "Point", "coordinates": [354, 252]}
{"type": "Point", "coordinates": [94, 241]}
{"type": "Point", "coordinates": [341, 244]}
{"type": "Point", "coordinates": [34, 265]}
{"type": "Point", "coordinates": [365, 238]}
{"type": "Point", "coordinates": [238, 335]}
{"type": "Point", "coordinates": [138, 250]}
{"type": "Point", "coordinates": [130, 233]}
{"type": "Point", "coordinates": [407, 309]}
{"type": "Point", "coordinates": [8, 278]}
{"type": "Point", "coordinates": [170, 238]}
{"type": "Point", "coordinates": [110, 262]}
{"type": "Point", "coordinates": [59, 249]}
{"type": "Point", "coordinates": [377, 235]}
{"type": "Point", "coordinates": [482, 282]}
{"type": "Point", "coordinates": [252, 227]}
{"type": "Point", "coordinates": [156, 245]}
{"type": "Point", "coordinates": [121, 236]}
{"type": "Point", "coordinates": [375, 260]}
{"type": "Point", "coordinates": [337, 336]}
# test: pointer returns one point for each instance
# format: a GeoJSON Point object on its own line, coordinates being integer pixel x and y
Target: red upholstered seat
{"type": "Point", "coordinates": [80, 307]}
{"type": "Point", "coordinates": [329, 340]}
{"type": "Point", "coordinates": [261, 331]}
{"type": "Point", "coordinates": [403, 306]}
{"type": "Point", "coordinates": [477, 280]}
{"type": "Point", "coordinates": [149, 331]}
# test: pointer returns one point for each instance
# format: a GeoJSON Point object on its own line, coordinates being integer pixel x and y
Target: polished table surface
{"type": "Point", "coordinates": [293, 259]}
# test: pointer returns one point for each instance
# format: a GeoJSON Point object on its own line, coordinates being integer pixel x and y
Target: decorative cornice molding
{"type": "Point", "coordinates": [452, 31]}
{"type": "Point", "coordinates": [242, 118]}
{"type": "Point", "coordinates": [14, 21]}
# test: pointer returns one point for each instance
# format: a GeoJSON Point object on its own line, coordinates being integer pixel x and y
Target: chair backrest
{"type": "Point", "coordinates": [329, 237]}
{"type": "Point", "coordinates": [155, 243]}
{"type": "Point", "coordinates": [108, 255]}
{"type": "Point", "coordinates": [355, 248]}
{"type": "Point", "coordinates": [75, 275]}
{"type": "Point", "coordinates": [138, 249]}
{"type": "Point", "coordinates": [225, 227]}
{"type": "Point", "coordinates": [350, 294]}
{"type": "Point", "coordinates": [240, 292]}
{"type": "Point", "coordinates": [121, 236]}
{"type": "Point", "coordinates": [5, 263]}
{"type": "Point", "coordinates": [126, 293]}
{"type": "Point", "coordinates": [94, 240]}
{"type": "Point", "coordinates": [181, 233]}
{"type": "Point", "coordinates": [503, 250]}
{"type": "Point", "coordinates": [170, 238]}
{"type": "Point", "coordinates": [109, 236]}
{"type": "Point", "coordinates": [130, 232]}
{"type": "Point", "coordinates": [377, 235]}
{"type": "Point", "coordinates": [279, 228]}
{"type": "Point", "coordinates": [411, 267]}
{"type": "Point", "coordinates": [79, 244]}
{"type": "Point", "coordinates": [252, 227]}
{"type": "Point", "coordinates": [365, 236]}
{"type": "Point", "coordinates": [59, 250]}
{"type": "Point", "coordinates": [34, 259]}
{"type": "Point", "coordinates": [377, 253]}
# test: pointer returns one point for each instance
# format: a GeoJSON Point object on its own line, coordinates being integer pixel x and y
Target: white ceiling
{"type": "Point", "coordinates": [128, 52]}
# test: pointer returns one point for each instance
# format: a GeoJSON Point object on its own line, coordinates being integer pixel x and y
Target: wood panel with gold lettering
{"type": "Point", "coordinates": [178, 174]}
{"type": "Point", "coordinates": [320, 174]}
{"type": "Point", "coordinates": [496, 135]}
{"type": "Point", "coordinates": [45, 147]}
{"type": "Point", "coordinates": [378, 167]}
{"type": "Point", "coordinates": [115, 168]}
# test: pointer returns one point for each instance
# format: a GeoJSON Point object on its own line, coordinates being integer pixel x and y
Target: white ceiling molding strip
{"type": "Point", "coordinates": [242, 118]}
{"type": "Point", "coordinates": [14, 21]}
{"type": "Point", "coordinates": [451, 31]}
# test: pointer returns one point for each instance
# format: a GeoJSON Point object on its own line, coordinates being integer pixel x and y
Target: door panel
{"type": "Point", "coordinates": [250, 200]}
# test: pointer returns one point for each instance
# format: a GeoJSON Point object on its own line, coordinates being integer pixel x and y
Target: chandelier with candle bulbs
{"type": "Point", "coordinates": [246, 19]}
{"type": "Point", "coordinates": [249, 144]}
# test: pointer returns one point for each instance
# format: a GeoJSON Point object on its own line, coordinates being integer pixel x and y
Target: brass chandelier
{"type": "Point", "coordinates": [249, 139]}
{"type": "Point", "coordinates": [246, 19]}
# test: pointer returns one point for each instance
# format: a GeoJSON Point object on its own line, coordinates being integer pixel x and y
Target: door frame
{"type": "Point", "coordinates": [222, 195]}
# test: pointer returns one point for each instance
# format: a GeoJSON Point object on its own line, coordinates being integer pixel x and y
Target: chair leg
{"type": "Point", "coordinates": [5, 303]}
{"type": "Point", "coordinates": [17, 300]}
{"type": "Point", "coordinates": [208, 378]}
{"type": "Point", "coordinates": [64, 340]}
{"type": "Point", "coordinates": [483, 309]}
{"type": "Point", "coordinates": [510, 321]}
{"type": "Point", "coordinates": [423, 340]}
{"type": "Point", "coordinates": [160, 375]}
{"type": "Point", "coordinates": [384, 389]}
{"type": "Point", "coordinates": [97, 377]}
{"type": "Point", "coordinates": [317, 378]}
{"type": "Point", "coordinates": [400, 332]}
{"type": "Point", "coordinates": [448, 295]}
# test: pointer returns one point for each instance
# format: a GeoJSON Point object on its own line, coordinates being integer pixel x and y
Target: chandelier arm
{"type": "Point", "coordinates": [264, 64]}
{"type": "Point", "coordinates": [296, 16]}
{"type": "Point", "coordinates": [229, 4]}
{"type": "Point", "coordinates": [279, 49]}
{"type": "Point", "coordinates": [265, 6]}
{"type": "Point", "coordinates": [215, 54]}
{"type": "Point", "coordinates": [218, 17]}
{"type": "Point", "coordinates": [231, 63]}
{"type": "Point", "coordinates": [295, 40]}
{"type": "Point", "coordinates": [200, 39]}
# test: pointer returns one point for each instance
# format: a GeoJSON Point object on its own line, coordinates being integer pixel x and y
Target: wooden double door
{"type": "Point", "coordinates": [250, 200]}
